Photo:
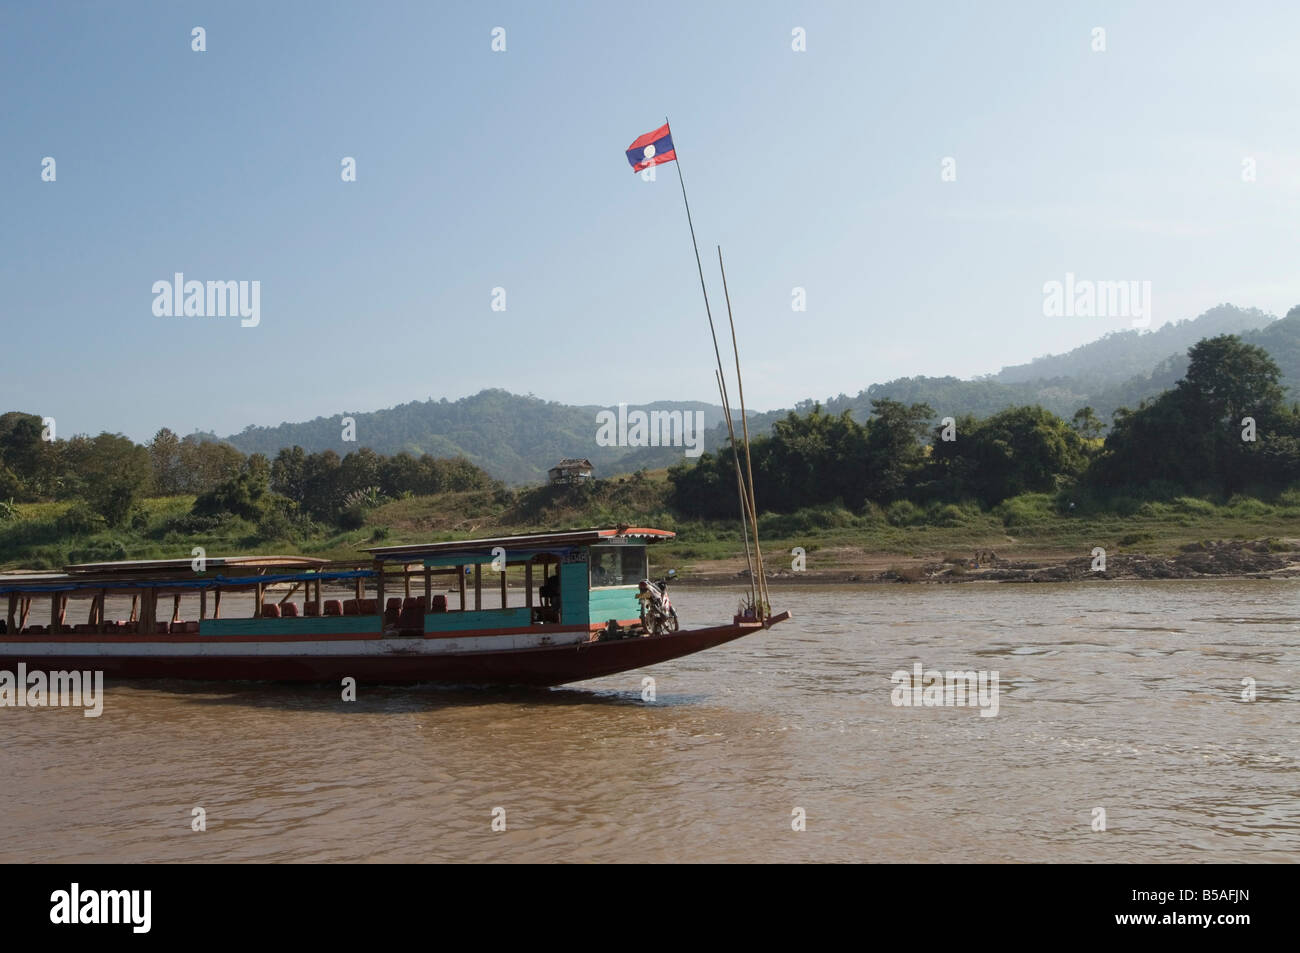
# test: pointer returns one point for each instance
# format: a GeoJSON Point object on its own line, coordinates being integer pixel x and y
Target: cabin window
{"type": "Point", "coordinates": [617, 565]}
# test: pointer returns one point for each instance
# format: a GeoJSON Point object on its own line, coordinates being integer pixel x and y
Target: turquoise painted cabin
{"type": "Point", "coordinates": [599, 572]}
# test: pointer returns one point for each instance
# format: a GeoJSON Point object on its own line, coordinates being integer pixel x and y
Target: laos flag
{"type": "Point", "coordinates": [652, 149]}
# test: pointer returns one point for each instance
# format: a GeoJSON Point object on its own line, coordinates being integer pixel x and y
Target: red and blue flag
{"type": "Point", "coordinates": [653, 148]}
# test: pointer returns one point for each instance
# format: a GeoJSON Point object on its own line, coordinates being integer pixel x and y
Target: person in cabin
{"type": "Point", "coordinates": [550, 591]}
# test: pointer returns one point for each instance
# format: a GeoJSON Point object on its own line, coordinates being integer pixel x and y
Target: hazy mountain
{"type": "Point", "coordinates": [1121, 355]}
{"type": "Point", "coordinates": [517, 438]}
{"type": "Point", "coordinates": [1118, 370]}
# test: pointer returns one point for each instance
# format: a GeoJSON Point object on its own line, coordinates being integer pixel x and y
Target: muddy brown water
{"type": "Point", "coordinates": [1125, 697]}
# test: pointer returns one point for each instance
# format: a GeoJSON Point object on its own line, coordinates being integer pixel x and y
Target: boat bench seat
{"type": "Point", "coordinates": [411, 616]}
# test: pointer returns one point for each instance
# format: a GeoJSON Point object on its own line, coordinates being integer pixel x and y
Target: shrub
{"type": "Point", "coordinates": [873, 514]}
{"type": "Point", "coordinates": [98, 551]}
{"type": "Point", "coordinates": [903, 513]}
{"type": "Point", "coordinates": [948, 514]}
{"type": "Point", "coordinates": [275, 525]}
{"type": "Point", "coordinates": [1154, 510]}
{"type": "Point", "coordinates": [1124, 505]}
{"type": "Point", "coordinates": [244, 496]}
{"type": "Point", "coordinates": [1248, 506]}
{"type": "Point", "coordinates": [192, 523]}
{"type": "Point", "coordinates": [79, 520]}
{"type": "Point", "coordinates": [1197, 507]}
{"type": "Point", "coordinates": [779, 525]}
{"type": "Point", "coordinates": [352, 517]}
{"type": "Point", "coordinates": [1028, 508]}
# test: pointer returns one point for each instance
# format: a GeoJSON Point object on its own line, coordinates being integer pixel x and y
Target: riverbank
{"type": "Point", "coordinates": [1026, 539]}
{"type": "Point", "coordinates": [1214, 559]}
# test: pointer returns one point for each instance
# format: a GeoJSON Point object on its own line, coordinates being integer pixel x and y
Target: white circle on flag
{"type": "Point", "coordinates": [649, 151]}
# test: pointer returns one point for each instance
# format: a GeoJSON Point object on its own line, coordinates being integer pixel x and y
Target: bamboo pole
{"type": "Point", "coordinates": [744, 423]}
{"type": "Point", "coordinates": [740, 489]}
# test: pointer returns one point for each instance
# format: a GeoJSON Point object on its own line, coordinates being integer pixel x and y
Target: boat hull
{"type": "Point", "coordinates": [394, 661]}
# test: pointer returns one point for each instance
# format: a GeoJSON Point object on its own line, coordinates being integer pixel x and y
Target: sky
{"type": "Point", "coordinates": [477, 169]}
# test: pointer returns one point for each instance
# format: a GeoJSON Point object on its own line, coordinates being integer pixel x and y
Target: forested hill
{"type": "Point", "coordinates": [515, 438]}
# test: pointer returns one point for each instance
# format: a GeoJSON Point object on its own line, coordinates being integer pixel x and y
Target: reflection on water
{"type": "Point", "coordinates": [1125, 696]}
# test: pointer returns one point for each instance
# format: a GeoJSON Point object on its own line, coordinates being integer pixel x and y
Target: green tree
{"type": "Point", "coordinates": [895, 448]}
{"type": "Point", "coordinates": [287, 473]}
{"type": "Point", "coordinates": [1020, 450]}
{"type": "Point", "coordinates": [1191, 437]}
{"type": "Point", "coordinates": [165, 461]}
{"type": "Point", "coordinates": [113, 473]}
{"type": "Point", "coordinates": [1232, 379]}
{"type": "Point", "coordinates": [1087, 424]}
{"type": "Point", "coordinates": [208, 463]}
{"type": "Point", "coordinates": [246, 495]}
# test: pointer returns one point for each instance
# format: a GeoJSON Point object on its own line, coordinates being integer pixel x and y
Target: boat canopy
{"type": "Point", "coordinates": [474, 549]}
{"type": "Point", "coordinates": [187, 565]}
{"type": "Point", "coordinates": [179, 574]}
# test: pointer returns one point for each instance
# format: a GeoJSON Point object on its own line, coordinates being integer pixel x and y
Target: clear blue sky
{"type": "Point", "coordinates": [477, 169]}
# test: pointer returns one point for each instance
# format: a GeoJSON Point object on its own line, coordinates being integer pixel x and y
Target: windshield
{"type": "Point", "coordinates": [617, 565]}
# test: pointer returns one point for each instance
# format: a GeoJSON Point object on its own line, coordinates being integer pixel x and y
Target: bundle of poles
{"type": "Point", "coordinates": [758, 596]}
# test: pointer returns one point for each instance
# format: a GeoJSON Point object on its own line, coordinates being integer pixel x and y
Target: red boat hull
{"type": "Point", "coordinates": [542, 666]}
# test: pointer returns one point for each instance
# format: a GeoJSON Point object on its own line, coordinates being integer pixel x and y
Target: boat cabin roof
{"type": "Point", "coordinates": [536, 542]}
{"type": "Point", "coordinates": [186, 565]}
{"type": "Point", "coordinates": [178, 574]}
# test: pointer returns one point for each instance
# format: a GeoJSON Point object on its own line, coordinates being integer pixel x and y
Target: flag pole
{"type": "Point", "coordinates": [699, 267]}
{"type": "Point", "coordinates": [746, 499]}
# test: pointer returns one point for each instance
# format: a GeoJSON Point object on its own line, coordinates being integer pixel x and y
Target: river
{"type": "Point", "coordinates": [1124, 697]}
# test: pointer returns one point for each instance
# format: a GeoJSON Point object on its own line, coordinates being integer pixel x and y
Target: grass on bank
{"type": "Point", "coordinates": [51, 535]}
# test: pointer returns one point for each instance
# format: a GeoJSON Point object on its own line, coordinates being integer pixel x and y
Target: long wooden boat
{"type": "Point", "coordinates": [576, 615]}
